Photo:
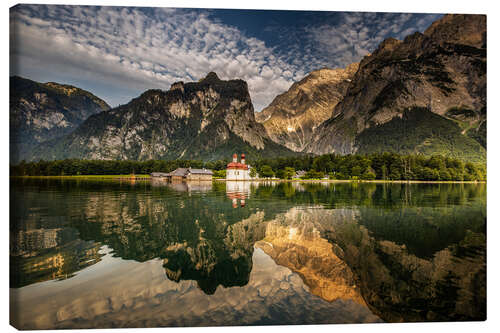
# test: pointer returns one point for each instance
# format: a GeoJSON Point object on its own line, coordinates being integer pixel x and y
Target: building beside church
{"type": "Point", "coordinates": [238, 170]}
{"type": "Point", "coordinates": [184, 174]}
{"type": "Point", "coordinates": [199, 174]}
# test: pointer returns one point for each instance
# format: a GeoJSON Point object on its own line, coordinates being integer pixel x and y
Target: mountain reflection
{"type": "Point", "coordinates": [294, 241]}
{"type": "Point", "coordinates": [406, 252]}
{"type": "Point", "coordinates": [49, 254]}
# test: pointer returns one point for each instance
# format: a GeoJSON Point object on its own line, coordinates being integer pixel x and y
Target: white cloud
{"type": "Point", "coordinates": [137, 50]}
{"type": "Point", "coordinates": [126, 50]}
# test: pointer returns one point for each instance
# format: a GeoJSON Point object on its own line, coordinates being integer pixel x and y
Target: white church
{"type": "Point", "coordinates": [238, 170]}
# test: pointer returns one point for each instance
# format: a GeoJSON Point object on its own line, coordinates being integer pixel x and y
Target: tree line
{"type": "Point", "coordinates": [383, 166]}
{"type": "Point", "coordinates": [380, 166]}
{"type": "Point", "coordinates": [71, 167]}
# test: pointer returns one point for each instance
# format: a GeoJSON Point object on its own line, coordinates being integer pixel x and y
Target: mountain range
{"type": "Point", "coordinates": [208, 119]}
{"type": "Point", "coordinates": [425, 94]}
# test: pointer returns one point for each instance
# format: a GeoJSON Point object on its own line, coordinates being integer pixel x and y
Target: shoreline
{"type": "Point", "coordinates": [87, 177]}
{"type": "Point", "coordinates": [356, 181]}
{"type": "Point", "coordinates": [147, 177]}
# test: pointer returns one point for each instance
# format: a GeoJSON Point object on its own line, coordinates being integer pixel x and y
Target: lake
{"type": "Point", "coordinates": [97, 254]}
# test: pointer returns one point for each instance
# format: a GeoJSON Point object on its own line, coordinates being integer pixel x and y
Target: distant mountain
{"type": "Point", "coordinates": [43, 111]}
{"type": "Point", "coordinates": [292, 117]}
{"type": "Point", "coordinates": [210, 119]}
{"type": "Point", "coordinates": [425, 94]}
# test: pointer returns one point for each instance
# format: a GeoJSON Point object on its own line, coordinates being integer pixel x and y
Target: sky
{"type": "Point", "coordinates": [119, 52]}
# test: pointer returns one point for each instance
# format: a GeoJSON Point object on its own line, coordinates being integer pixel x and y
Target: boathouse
{"type": "Point", "coordinates": [159, 175]}
{"type": "Point", "coordinates": [199, 174]}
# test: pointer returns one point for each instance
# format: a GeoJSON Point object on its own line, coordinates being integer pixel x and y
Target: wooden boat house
{"type": "Point", "coordinates": [159, 176]}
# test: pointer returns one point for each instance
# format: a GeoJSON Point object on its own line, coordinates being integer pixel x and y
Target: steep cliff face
{"type": "Point", "coordinates": [293, 116]}
{"type": "Point", "coordinates": [442, 71]}
{"type": "Point", "coordinates": [209, 119]}
{"type": "Point", "coordinates": [44, 111]}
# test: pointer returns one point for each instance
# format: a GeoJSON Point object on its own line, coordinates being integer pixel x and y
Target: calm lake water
{"type": "Point", "coordinates": [88, 254]}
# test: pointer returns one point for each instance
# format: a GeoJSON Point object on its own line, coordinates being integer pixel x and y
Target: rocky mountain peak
{"type": "Point", "coordinates": [387, 45]}
{"type": "Point", "coordinates": [462, 29]}
{"type": "Point", "coordinates": [415, 41]}
{"type": "Point", "coordinates": [177, 86]}
{"type": "Point", "coordinates": [386, 49]}
{"type": "Point", "coordinates": [292, 117]}
{"type": "Point", "coordinates": [67, 89]}
{"type": "Point", "coordinates": [70, 91]}
{"type": "Point", "coordinates": [211, 77]}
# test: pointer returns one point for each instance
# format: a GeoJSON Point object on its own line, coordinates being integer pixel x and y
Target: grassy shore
{"type": "Point", "coordinates": [89, 177]}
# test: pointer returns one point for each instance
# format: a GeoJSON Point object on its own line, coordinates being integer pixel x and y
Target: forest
{"type": "Point", "coordinates": [376, 166]}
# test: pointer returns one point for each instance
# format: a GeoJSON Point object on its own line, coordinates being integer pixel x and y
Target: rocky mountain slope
{"type": "Point", "coordinates": [292, 117]}
{"type": "Point", "coordinates": [406, 88]}
{"type": "Point", "coordinates": [44, 111]}
{"type": "Point", "coordinates": [209, 119]}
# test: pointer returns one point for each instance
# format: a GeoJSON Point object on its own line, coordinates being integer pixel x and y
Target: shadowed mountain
{"type": "Point", "coordinates": [40, 112]}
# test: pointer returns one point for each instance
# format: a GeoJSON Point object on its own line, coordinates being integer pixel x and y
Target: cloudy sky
{"type": "Point", "coordinates": [119, 52]}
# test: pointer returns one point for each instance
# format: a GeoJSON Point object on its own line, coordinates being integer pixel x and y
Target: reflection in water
{"type": "Point", "coordinates": [239, 191]}
{"type": "Point", "coordinates": [399, 286]}
{"type": "Point", "coordinates": [293, 241]}
{"type": "Point", "coordinates": [131, 294]}
{"type": "Point", "coordinates": [171, 255]}
{"type": "Point", "coordinates": [184, 186]}
{"type": "Point", "coordinates": [27, 243]}
{"type": "Point", "coordinates": [48, 254]}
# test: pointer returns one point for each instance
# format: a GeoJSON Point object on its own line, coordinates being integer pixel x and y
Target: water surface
{"type": "Point", "coordinates": [90, 254]}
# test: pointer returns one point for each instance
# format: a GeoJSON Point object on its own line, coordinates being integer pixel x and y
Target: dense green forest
{"type": "Point", "coordinates": [422, 131]}
{"type": "Point", "coordinates": [383, 166]}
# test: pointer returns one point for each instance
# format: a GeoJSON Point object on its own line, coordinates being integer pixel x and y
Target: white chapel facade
{"type": "Point", "coordinates": [238, 170]}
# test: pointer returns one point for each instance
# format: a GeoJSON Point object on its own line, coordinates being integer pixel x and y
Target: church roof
{"type": "Point", "coordinates": [238, 166]}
